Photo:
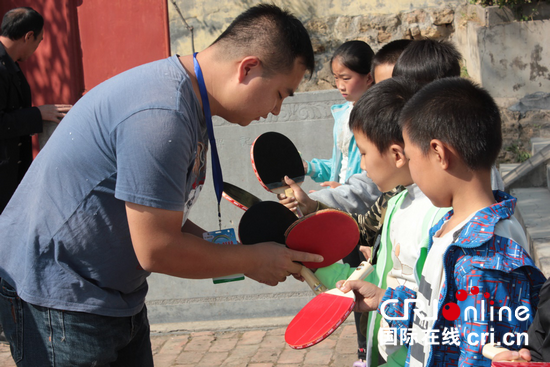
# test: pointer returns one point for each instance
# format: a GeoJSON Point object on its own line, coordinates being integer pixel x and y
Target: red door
{"type": "Point", "coordinates": [88, 41]}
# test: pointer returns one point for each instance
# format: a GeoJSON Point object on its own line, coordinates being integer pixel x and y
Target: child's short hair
{"type": "Point", "coordinates": [354, 55]}
{"type": "Point", "coordinates": [277, 37]}
{"type": "Point", "coordinates": [388, 54]}
{"type": "Point", "coordinates": [376, 113]}
{"type": "Point", "coordinates": [427, 60]}
{"type": "Point", "coordinates": [460, 114]}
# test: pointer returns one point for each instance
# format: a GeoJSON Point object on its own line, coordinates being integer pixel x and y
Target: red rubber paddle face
{"type": "Point", "coordinates": [318, 319]}
{"type": "Point", "coordinates": [330, 233]}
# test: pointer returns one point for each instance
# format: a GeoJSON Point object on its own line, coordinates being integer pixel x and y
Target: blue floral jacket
{"type": "Point", "coordinates": [503, 273]}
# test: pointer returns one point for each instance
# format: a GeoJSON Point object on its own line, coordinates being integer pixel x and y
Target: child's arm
{"type": "Point", "coordinates": [389, 302]}
{"type": "Point", "coordinates": [370, 224]}
{"type": "Point", "coordinates": [319, 169]}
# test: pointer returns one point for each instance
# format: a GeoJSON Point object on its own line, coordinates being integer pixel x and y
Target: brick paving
{"type": "Point", "coordinates": [244, 348]}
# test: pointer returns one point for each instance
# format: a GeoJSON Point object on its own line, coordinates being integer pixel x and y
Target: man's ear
{"type": "Point", "coordinates": [441, 153]}
{"type": "Point", "coordinates": [398, 155]}
{"type": "Point", "coordinates": [29, 36]}
{"type": "Point", "coordinates": [248, 67]}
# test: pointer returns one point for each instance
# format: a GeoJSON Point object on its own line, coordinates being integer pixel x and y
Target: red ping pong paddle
{"type": "Point", "coordinates": [268, 221]}
{"type": "Point", "coordinates": [323, 314]}
{"type": "Point", "coordinates": [239, 197]}
{"type": "Point", "coordinates": [330, 233]}
{"type": "Point", "coordinates": [274, 156]}
{"type": "Point", "coordinates": [490, 350]}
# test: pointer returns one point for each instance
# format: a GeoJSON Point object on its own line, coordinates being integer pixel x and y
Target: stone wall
{"type": "Point", "coordinates": [329, 22]}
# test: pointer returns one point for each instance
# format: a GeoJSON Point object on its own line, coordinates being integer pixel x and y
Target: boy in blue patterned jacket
{"type": "Point", "coordinates": [480, 285]}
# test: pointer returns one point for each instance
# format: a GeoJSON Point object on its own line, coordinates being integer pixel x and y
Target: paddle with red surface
{"type": "Point", "coordinates": [274, 156]}
{"type": "Point", "coordinates": [239, 197]}
{"type": "Point", "coordinates": [330, 233]}
{"type": "Point", "coordinates": [268, 221]}
{"type": "Point", "coordinates": [323, 314]}
{"type": "Point", "coordinates": [490, 350]}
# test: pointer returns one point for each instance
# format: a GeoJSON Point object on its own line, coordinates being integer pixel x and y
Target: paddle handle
{"type": "Point", "coordinates": [290, 194]}
{"type": "Point", "coordinates": [314, 283]}
{"type": "Point", "coordinates": [364, 269]}
{"type": "Point", "coordinates": [491, 350]}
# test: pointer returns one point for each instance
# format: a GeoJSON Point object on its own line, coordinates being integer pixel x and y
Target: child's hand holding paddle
{"type": "Point", "coordinates": [509, 356]}
{"type": "Point", "coordinates": [300, 198]}
{"type": "Point", "coordinates": [368, 296]}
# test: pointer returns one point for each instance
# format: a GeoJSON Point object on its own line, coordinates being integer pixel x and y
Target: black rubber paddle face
{"type": "Point", "coordinates": [239, 197]}
{"type": "Point", "coordinates": [265, 221]}
{"type": "Point", "coordinates": [274, 157]}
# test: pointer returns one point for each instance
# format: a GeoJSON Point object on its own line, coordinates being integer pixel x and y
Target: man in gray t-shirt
{"type": "Point", "coordinates": [103, 204]}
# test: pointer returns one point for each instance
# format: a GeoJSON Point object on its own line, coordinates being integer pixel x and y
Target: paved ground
{"type": "Point", "coordinates": [255, 344]}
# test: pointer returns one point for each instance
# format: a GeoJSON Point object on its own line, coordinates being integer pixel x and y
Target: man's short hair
{"type": "Point", "coordinates": [388, 54]}
{"type": "Point", "coordinates": [19, 21]}
{"type": "Point", "coordinates": [277, 37]}
{"type": "Point", "coordinates": [427, 60]}
{"type": "Point", "coordinates": [376, 113]}
{"type": "Point", "coordinates": [460, 114]}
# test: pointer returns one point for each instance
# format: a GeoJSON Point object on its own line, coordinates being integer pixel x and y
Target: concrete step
{"type": "Point", "coordinates": [531, 173]}
{"type": "Point", "coordinates": [537, 144]}
{"type": "Point", "coordinates": [533, 211]}
{"type": "Point", "coordinates": [505, 168]}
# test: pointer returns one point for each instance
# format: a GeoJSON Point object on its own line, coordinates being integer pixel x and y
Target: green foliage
{"type": "Point", "coordinates": [517, 6]}
{"type": "Point", "coordinates": [519, 154]}
{"type": "Point", "coordinates": [509, 3]}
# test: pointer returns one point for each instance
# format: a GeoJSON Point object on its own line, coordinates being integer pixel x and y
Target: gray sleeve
{"type": "Point", "coordinates": [357, 195]}
{"type": "Point", "coordinates": [496, 179]}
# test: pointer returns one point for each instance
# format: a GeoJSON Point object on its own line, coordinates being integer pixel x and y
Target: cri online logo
{"type": "Point", "coordinates": [451, 311]}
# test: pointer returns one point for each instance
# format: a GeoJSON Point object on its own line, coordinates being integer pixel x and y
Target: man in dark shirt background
{"type": "Point", "coordinates": [22, 32]}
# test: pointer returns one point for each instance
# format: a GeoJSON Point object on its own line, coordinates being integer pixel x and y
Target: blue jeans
{"type": "Point", "coordinates": [43, 337]}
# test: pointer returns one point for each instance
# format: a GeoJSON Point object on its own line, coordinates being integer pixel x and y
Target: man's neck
{"type": "Point", "coordinates": [11, 47]}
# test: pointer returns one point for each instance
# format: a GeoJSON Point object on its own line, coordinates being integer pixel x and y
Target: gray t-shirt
{"type": "Point", "coordinates": [139, 137]}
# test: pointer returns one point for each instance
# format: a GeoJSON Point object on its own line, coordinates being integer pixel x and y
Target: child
{"type": "Point", "coordinates": [359, 193]}
{"type": "Point", "coordinates": [350, 66]}
{"type": "Point", "coordinates": [452, 134]}
{"type": "Point", "coordinates": [427, 60]}
{"type": "Point", "coordinates": [374, 122]}
{"type": "Point", "coordinates": [384, 60]}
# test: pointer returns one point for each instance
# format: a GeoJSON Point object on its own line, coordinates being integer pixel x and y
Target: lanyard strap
{"type": "Point", "coordinates": [216, 168]}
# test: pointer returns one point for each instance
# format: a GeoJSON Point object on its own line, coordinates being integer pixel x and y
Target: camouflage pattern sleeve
{"type": "Point", "coordinates": [370, 224]}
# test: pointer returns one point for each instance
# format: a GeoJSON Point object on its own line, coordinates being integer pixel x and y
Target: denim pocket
{"type": "Point", "coordinates": [11, 314]}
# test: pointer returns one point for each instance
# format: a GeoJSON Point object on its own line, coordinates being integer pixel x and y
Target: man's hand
{"type": "Point", "coordinates": [300, 198]}
{"type": "Point", "coordinates": [54, 112]}
{"type": "Point", "coordinates": [278, 262]}
{"type": "Point", "coordinates": [367, 295]}
{"type": "Point", "coordinates": [162, 247]}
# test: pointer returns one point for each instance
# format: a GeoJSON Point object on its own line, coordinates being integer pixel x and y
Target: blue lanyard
{"type": "Point", "coordinates": [216, 168]}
